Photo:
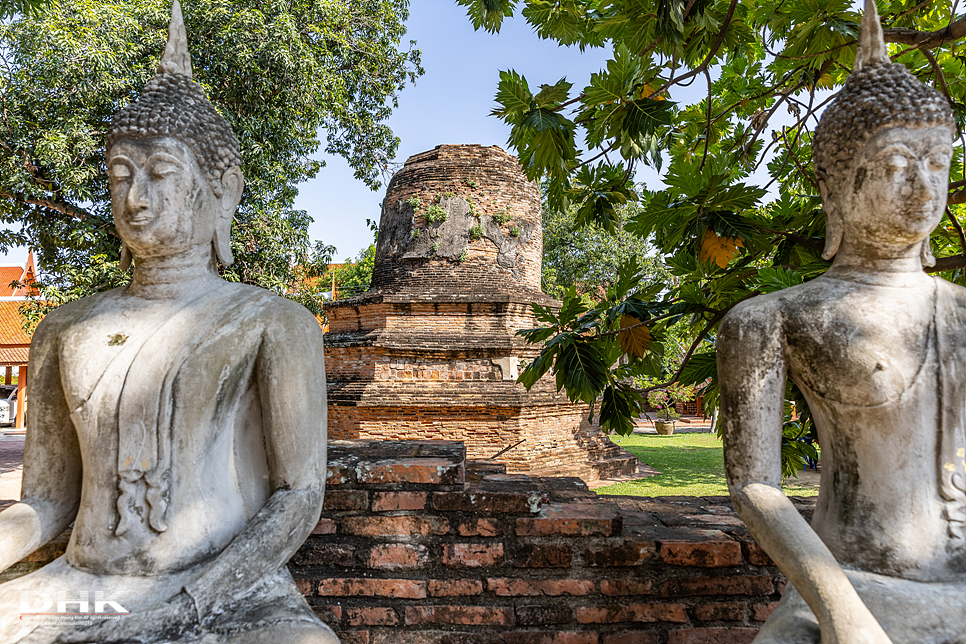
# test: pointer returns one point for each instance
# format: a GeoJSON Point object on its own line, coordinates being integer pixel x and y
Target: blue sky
{"type": "Point", "coordinates": [451, 103]}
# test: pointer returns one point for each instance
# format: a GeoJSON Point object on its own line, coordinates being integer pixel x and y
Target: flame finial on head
{"type": "Point", "coordinates": [176, 58]}
{"type": "Point", "coordinates": [872, 47]}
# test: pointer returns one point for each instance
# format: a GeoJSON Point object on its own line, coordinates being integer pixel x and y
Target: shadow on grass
{"type": "Point", "coordinates": [689, 465]}
{"type": "Point", "coordinates": [683, 466]}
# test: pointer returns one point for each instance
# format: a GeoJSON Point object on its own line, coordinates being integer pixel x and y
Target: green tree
{"type": "Point", "coordinates": [765, 70]}
{"type": "Point", "coordinates": [589, 260]}
{"type": "Point", "coordinates": [279, 72]}
{"type": "Point", "coordinates": [353, 277]}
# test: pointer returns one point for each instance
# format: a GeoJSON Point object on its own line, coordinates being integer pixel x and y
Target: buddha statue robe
{"type": "Point", "coordinates": [174, 458]}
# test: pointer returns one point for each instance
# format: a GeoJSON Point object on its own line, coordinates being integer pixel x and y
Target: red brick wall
{"type": "Point", "coordinates": [493, 181]}
{"type": "Point", "coordinates": [502, 317]}
{"type": "Point", "coordinates": [557, 438]}
{"type": "Point", "coordinates": [415, 545]}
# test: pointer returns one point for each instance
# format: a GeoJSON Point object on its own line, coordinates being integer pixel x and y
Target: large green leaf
{"type": "Point", "coordinates": [513, 96]}
{"type": "Point", "coordinates": [619, 406]}
{"type": "Point", "coordinates": [699, 368]}
{"type": "Point", "coordinates": [580, 369]}
{"type": "Point", "coordinates": [488, 14]}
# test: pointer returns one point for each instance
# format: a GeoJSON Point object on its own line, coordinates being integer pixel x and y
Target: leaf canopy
{"type": "Point", "coordinates": [280, 73]}
{"type": "Point", "coordinates": [736, 212]}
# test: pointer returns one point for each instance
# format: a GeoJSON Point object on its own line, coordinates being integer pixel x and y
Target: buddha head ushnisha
{"type": "Point", "coordinates": [882, 149]}
{"type": "Point", "coordinates": [173, 163]}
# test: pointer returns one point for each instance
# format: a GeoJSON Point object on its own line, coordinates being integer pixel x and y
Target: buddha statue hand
{"type": "Point", "coordinates": [858, 626]}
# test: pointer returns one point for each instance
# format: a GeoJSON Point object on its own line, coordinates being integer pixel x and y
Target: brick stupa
{"type": "Point", "coordinates": [431, 351]}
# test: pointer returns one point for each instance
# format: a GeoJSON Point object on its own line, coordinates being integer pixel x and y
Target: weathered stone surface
{"type": "Point", "coordinates": [177, 423]}
{"type": "Point", "coordinates": [447, 239]}
{"type": "Point", "coordinates": [431, 350]}
{"type": "Point", "coordinates": [878, 348]}
{"type": "Point", "coordinates": [574, 519]}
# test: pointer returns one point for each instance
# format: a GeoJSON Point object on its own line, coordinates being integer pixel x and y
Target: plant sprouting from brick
{"type": "Point", "coordinates": [471, 183]}
{"type": "Point", "coordinates": [436, 246]}
{"type": "Point", "coordinates": [435, 215]}
{"type": "Point", "coordinates": [449, 194]}
{"type": "Point", "coordinates": [476, 232]}
{"type": "Point", "coordinates": [502, 217]}
{"type": "Point", "coordinates": [414, 201]}
{"type": "Point", "coordinates": [464, 256]}
{"type": "Point", "coordinates": [415, 233]}
{"type": "Point", "coordinates": [515, 231]}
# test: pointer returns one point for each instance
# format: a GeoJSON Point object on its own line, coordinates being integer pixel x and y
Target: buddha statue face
{"type": "Point", "coordinates": [896, 192]}
{"type": "Point", "coordinates": [161, 200]}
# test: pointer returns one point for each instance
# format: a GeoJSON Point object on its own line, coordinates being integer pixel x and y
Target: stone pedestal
{"type": "Point", "coordinates": [430, 351]}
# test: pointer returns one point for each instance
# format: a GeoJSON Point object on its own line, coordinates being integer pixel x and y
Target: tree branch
{"type": "Point", "coordinates": [927, 39]}
{"type": "Point", "coordinates": [957, 197]}
{"type": "Point", "coordinates": [707, 129]}
{"type": "Point", "coordinates": [938, 73]}
{"type": "Point", "coordinates": [694, 345]}
{"type": "Point", "coordinates": [947, 264]}
{"type": "Point", "coordinates": [644, 323]}
{"type": "Point", "coordinates": [801, 240]}
{"type": "Point", "coordinates": [959, 229]}
{"type": "Point", "coordinates": [70, 211]}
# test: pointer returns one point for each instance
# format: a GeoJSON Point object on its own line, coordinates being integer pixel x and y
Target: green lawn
{"type": "Point", "coordinates": [690, 465]}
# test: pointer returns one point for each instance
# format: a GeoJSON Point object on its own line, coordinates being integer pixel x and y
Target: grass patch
{"type": "Point", "coordinates": [689, 465]}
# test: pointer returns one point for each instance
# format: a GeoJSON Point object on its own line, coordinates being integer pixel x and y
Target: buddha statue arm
{"type": "Point", "coordinates": [291, 383]}
{"type": "Point", "coordinates": [752, 365]}
{"type": "Point", "coordinates": [52, 463]}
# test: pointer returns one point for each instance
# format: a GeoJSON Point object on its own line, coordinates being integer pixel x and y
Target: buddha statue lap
{"type": "Point", "coordinates": [178, 422]}
{"type": "Point", "coordinates": [878, 348]}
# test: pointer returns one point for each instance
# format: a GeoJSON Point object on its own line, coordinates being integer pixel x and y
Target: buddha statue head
{"type": "Point", "coordinates": [173, 163]}
{"type": "Point", "coordinates": [882, 151]}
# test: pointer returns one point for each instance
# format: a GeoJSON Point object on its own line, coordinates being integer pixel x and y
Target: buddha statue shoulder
{"type": "Point", "coordinates": [178, 422]}
{"type": "Point", "coordinates": [878, 348]}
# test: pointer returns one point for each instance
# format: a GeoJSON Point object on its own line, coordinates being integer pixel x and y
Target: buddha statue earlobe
{"type": "Point", "coordinates": [126, 257]}
{"type": "Point", "coordinates": [834, 226]}
{"type": "Point", "coordinates": [925, 254]}
{"type": "Point", "coordinates": [220, 242]}
{"type": "Point", "coordinates": [232, 185]}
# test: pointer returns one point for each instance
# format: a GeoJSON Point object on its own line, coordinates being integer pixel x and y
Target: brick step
{"type": "Point", "coordinates": [603, 449]}
{"type": "Point", "coordinates": [614, 467]}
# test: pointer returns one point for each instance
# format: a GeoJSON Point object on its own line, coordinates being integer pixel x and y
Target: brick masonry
{"type": "Point", "coordinates": [416, 545]}
{"type": "Point", "coordinates": [442, 550]}
{"type": "Point", "coordinates": [431, 351]}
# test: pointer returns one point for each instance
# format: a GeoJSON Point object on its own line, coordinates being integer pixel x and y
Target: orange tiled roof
{"type": "Point", "coordinates": [9, 274]}
{"type": "Point", "coordinates": [14, 355]}
{"type": "Point", "coordinates": [11, 330]}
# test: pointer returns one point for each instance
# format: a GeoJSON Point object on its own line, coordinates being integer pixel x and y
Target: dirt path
{"type": "Point", "coordinates": [11, 468]}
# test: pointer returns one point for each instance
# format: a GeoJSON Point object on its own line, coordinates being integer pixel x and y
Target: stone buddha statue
{"type": "Point", "coordinates": [178, 422]}
{"type": "Point", "coordinates": [878, 348]}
